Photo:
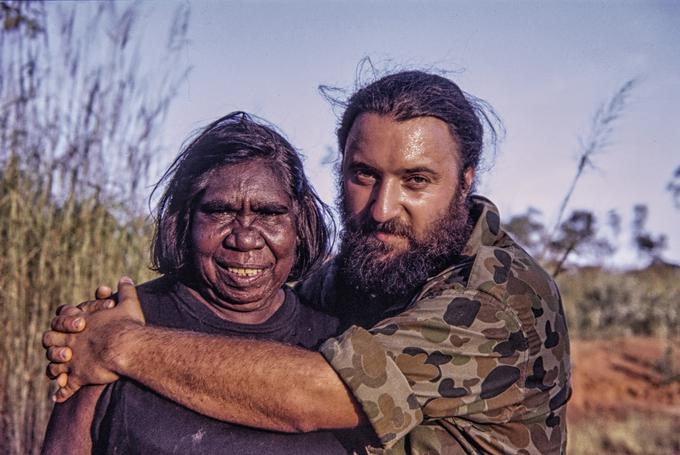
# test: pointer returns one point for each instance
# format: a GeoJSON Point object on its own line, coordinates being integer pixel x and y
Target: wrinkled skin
{"type": "Point", "coordinates": [243, 243]}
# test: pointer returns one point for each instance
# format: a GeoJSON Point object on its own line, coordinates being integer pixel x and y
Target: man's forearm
{"type": "Point", "coordinates": [250, 382]}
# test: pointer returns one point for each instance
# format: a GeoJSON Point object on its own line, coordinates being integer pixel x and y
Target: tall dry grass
{"type": "Point", "coordinates": [634, 434]}
{"type": "Point", "coordinates": [50, 254]}
{"type": "Point", "coordinates": [79, 126]}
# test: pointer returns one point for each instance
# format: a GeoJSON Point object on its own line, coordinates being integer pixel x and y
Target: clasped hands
{"type": "Point", "coordinates": [83, 346]}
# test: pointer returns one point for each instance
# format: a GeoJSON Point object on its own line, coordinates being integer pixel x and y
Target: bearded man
{"type": "Point", "coordinates": [455, 340]}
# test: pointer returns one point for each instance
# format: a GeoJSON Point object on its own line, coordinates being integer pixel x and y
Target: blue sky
{"type": "Point", "coordinates": [544, 66]}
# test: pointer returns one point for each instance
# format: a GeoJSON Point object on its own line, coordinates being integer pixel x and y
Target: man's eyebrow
{"type": "Point", "coordinates": [357, 164]}
{"type": "Point", "coordinates": [420, 170]}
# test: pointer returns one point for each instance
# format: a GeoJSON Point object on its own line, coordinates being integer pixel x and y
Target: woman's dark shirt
{"type": "Point", "coordinates": [131, 418]}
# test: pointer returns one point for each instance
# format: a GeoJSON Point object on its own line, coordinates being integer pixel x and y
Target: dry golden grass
{"type": "Point", "coordinates": [602, 303]}
{"type": "Point", "coordinates": [635, 434]}
{"type": "Point", "coordinates": [49, 255]}
{"type": "Point", "coordinates": [80, 124]}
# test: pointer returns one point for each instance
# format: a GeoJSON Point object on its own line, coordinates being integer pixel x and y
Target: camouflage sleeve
{"type": "Point", "coordinates": [457, 353]}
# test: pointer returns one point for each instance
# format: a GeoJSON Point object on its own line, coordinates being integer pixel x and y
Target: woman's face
{"type": "Point", "coordinates": [243, 239]}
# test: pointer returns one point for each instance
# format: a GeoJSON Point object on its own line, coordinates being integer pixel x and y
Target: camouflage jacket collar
{"type": "Point", "coordinates": [487, 229]}
{"type": "Point", "coordinates": [486, 232]}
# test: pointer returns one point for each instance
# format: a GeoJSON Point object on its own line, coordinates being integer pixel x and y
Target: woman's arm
{"type": "Point", "coordinates": [69, 429]}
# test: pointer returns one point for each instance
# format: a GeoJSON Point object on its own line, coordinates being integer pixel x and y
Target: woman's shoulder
{"type": "Point", "coordinates": [158, 286]}
{"type": "Point", "coordinates": [155, 297]}
{"type": "Point", "coordinates": [313, 326]}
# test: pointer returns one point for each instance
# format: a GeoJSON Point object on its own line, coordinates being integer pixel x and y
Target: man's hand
{"type": "Point", "coordinates": [60, 323]}
{"type": "Point", "coordinates": [79, 344]}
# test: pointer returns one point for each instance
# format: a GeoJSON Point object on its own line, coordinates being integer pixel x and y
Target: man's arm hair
{"type": "Point", "coordinates": [68, 431]}
{"type": "Point", "coordinates": [256, 383]}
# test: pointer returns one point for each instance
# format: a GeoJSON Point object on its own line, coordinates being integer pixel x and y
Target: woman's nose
{"type": "Point", "coordinates": [244, 238]}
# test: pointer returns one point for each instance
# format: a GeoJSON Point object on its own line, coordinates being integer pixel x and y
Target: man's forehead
{"type": "Point", "coordinates": [403, 162]}
{"type": "Point", "coordinates": [421, 142]}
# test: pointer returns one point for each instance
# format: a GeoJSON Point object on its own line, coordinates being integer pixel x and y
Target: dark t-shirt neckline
{"type": "Point", "coordinates": [287, 312]}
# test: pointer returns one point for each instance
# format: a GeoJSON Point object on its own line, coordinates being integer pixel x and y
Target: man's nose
{"type": "Point", "coordinates": [244, 238]}
{"type": "Point", "coordinates": [386, 203]}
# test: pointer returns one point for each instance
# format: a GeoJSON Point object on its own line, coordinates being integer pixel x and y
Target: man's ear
{"type": "Point", "coordinates": [468, 180]}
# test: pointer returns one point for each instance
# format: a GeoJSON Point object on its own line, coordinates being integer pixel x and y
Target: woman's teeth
{"type": "Point", "coordinates": [242, 271]}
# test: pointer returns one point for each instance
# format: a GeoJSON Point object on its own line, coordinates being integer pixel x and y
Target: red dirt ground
{"type": "Point", "coordinates": [619, 376]}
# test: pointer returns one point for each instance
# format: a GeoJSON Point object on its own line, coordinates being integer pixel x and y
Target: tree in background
{"type": "Point", "coordinates": [528, 229]}
{"type": "Point", "coordinates": [80, 123]}
{"type": "Point", "coordinates": [647, 244]}
{"type": "Point", "coordinates": [674, 187]}
{"type": "Point", "coordinates": [578, 235]}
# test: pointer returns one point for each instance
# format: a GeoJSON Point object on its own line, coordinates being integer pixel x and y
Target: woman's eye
{"type": "Point", "coordinates": [272, 214]}
{"type": "Point", "coordinates": [218, 211]}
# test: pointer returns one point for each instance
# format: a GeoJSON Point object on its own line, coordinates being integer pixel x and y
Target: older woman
{"type": "Point", "coordinates": [236, 221]}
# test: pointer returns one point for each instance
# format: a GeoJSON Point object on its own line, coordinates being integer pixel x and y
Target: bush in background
{"type": "Point", "coordinates": [602, 303]}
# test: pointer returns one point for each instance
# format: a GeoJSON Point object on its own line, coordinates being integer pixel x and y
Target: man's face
{"type": "Point", "coordinates": [402, 199]}
{"type": "Point", "coordinates": [243, 238]}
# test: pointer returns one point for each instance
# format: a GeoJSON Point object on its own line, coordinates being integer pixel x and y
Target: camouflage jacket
{"type": "Point", "coordinates": [477, 363]}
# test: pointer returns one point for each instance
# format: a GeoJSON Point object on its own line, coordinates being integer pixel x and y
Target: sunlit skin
{"type": "Point", "coordinates": [243, 242]}
{"type": "Point", "coordinates": [405, 170]}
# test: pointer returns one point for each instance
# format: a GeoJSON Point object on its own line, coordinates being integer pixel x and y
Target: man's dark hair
{"type": "Point", "coordinates": [410, 94]}
{"type": "Point", "coordinates": [235, 138]}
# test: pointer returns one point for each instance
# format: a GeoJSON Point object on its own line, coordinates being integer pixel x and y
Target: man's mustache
{"type": "Point", "coordinates": [393, 226]}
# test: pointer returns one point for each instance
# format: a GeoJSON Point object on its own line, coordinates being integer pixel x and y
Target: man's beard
{"type": "Point", "coordinates": [371, 268]}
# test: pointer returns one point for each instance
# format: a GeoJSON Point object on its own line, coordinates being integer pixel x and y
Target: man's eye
{"type": "Point", "coordinates": [417, 181]}
{"type": "Point", "coordinates": [364, 177]}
